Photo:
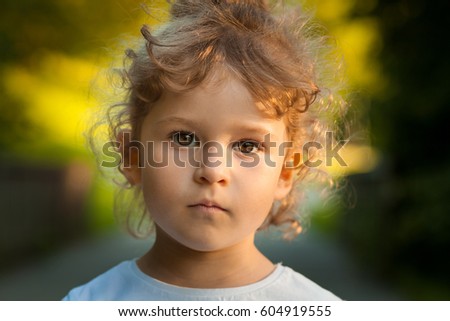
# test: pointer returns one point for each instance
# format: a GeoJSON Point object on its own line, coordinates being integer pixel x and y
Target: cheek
{"type": "Point", "coordinates": [257, 187]}
{"type": "Point", "coordinates": [157, 154]}
{"type": "Point", "coordinates": [157, 187]}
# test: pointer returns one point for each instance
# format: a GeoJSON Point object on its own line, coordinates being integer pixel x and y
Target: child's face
{"type": "Point", "coordinates": [224, 200]}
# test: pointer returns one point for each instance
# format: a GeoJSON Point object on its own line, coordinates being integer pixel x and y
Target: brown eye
{"type": "Point", "coordinates": [185, 139]}
{"type": "Point", "coordinates": [247, 146]}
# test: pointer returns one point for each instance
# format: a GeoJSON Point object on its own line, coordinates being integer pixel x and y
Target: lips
{"type": "Point", "coordinates": [208, 205]}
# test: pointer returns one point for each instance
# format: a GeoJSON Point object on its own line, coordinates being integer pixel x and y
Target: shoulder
{"type": "Point", "coordinates": [105, 286]}
{"type": "Point", "coordinates": [291, 285]}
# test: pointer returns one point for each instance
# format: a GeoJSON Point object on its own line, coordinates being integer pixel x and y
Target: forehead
{"type": "Point", "coordinates": [223, 97]}
{"type": "Point", "coordinates": [218, 102]}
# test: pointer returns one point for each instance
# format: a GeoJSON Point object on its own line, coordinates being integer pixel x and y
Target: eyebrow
{"type": "Point", "coordinates": [238, 126]}
{"type": "Point", "coordinates": [175, 119]}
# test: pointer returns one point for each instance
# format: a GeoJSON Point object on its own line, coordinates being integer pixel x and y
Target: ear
{"type": "Point", "coordinates": [130, 158]}
{"type": "Point", "coordinates": [285, 182]}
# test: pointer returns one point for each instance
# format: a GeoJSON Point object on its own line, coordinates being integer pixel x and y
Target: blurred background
{"type": "Point", "coordinates": [390, 241]}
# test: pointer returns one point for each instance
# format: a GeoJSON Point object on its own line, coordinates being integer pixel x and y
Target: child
{"type": "Point", "coordinates": [221, 100]}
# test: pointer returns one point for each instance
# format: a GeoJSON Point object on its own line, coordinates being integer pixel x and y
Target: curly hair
{"type": "Point", "coordinates": [278, 54]}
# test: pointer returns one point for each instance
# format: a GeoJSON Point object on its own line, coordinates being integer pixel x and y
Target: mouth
{"type": "Point", "coordinates": [209, 206]}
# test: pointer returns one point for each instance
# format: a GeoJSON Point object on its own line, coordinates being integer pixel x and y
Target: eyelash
{"type": "Point", "coordinates": [172, 137]}
{"type": "Point", "coordinates": [234, 145]}
{"type": "Point", "coordinates": [256, 144]}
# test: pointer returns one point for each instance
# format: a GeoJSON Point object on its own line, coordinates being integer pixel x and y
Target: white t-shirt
{"type": "Point", "coordinates": [126, 282]}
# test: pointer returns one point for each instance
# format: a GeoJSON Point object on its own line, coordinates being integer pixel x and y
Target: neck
{"type": "Point", "coordinates": [237, 265]}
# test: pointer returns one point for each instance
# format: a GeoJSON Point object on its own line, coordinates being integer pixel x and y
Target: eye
{"type": "Point", "coordinates": [184, 139]}
{"type": "Point", "coordinates": [247, 146]}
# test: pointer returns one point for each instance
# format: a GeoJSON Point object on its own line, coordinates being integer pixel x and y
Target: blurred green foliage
{"type": "Point", "coordinates": [51, 55]}
{"type": "Point", "coordinates": [50, 51]}
{"type": "Point", "coordinates": [400, 224]}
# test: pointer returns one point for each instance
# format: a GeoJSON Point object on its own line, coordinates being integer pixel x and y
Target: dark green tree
{"type": "Point", "coordinates": [401, 224]}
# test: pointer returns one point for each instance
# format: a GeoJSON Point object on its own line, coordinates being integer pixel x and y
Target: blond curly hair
{"type": "Point", "coordinates": [276, 52]}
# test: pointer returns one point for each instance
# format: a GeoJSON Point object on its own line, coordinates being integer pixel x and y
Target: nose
{"type": "Point", "coordinates": [213, 166]}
